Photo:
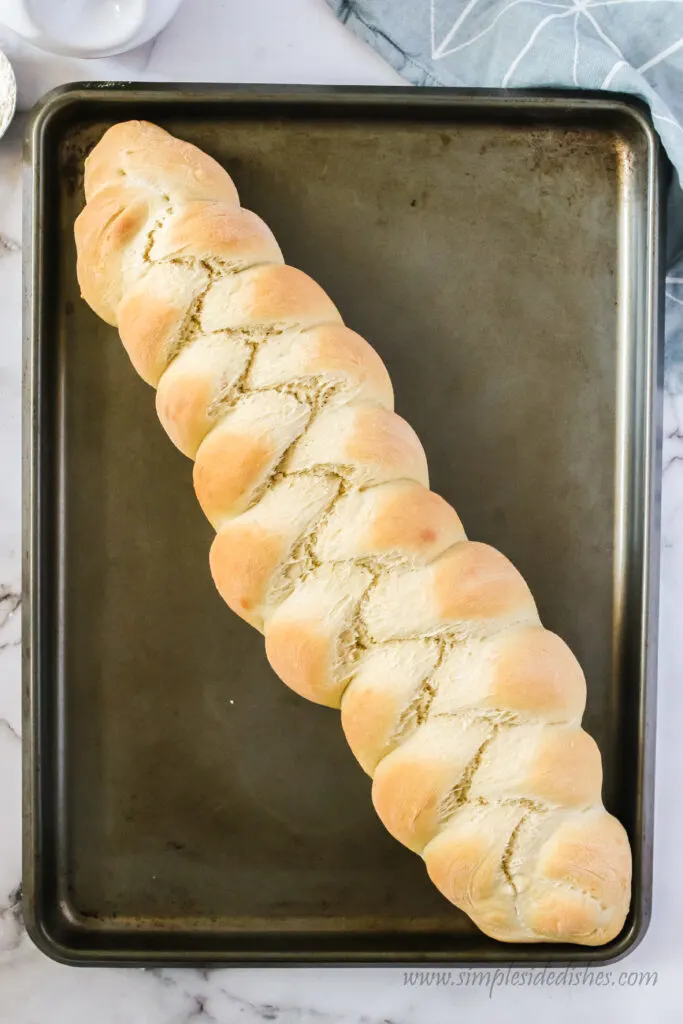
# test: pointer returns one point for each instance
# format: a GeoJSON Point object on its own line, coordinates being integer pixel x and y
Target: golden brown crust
{"type": "Point", "coordinates": [533, 670]}
{"type": "Point", "coordinates": [243, 559]}
{"type": "Point", "coordinates": [368, 716]}
{"type": "Point", "coordinates": [220, 233]}
{"type": "Point", "coordinates": [464, 710]}
{"type": "Point", "coordinates": [381, 438]}
{"type": "Point", "coordinates": [228, 469]}
{"type": "Point", "coordinates": [338, 350]}
{"type": "Point", "coordinates": [301, 654]}
{"type": "Point", "coordinates": [147, 323]}
{"type": "Point", "coordinates": [387, 699]}
{"type": "Point", "coordinates": [473, 581]}
{"type": "Point", "coordinates": [183, 403]}
{"type": "Point", "coordinates": [149, 156]}
{"type": "Point", "coordinates": [266, 297]}
{"type": "Point", "coordinates": [414, 519]}
{"type": "Point", "coordinates": [104, 228]}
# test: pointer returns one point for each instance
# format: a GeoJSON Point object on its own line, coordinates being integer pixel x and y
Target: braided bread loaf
{"type": "Point", "coordinates": [461, 706]}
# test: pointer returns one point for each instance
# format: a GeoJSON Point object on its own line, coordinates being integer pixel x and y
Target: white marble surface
{"type": "Point", "coordinates": [297, 41]}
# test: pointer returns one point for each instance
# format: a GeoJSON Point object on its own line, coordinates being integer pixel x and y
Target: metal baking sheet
{"type": "Point", "coordinates": [502, 252]}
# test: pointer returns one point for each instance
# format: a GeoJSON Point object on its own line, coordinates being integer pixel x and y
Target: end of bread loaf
{"type": "Point", "coordinates": [531, 876]}
{"type": "Point", "coordinates": [152, 158]}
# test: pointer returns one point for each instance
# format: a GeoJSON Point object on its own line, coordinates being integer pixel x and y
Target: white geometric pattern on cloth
{"type": "Point", "coordinates": [632, 46]}
{"type": "Point", "coordinates": [577, 10]}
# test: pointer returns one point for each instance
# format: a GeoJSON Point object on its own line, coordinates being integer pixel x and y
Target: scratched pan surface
{"type": "Point", "coordinates": [502, 254]}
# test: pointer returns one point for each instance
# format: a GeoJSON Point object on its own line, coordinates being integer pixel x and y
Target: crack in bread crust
{"type": "Point", "coordinates": [418, 709]}
{"type": "Point", "coordinates": [459, 793]}
{"type": "Point", "coordinates": [509, 853]}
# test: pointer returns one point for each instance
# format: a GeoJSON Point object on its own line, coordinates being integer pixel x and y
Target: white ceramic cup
{"type": "Point", "coordinates": [87, 28]}
{"type": "Point", "coordinates": [8, 93]}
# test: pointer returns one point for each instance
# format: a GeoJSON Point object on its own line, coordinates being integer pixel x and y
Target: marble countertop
{"type": "Point", "coordinates": [269, 41]}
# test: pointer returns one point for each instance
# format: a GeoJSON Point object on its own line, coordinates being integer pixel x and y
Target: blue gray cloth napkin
{"type": "Point", "coordinates": [633, 46]}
